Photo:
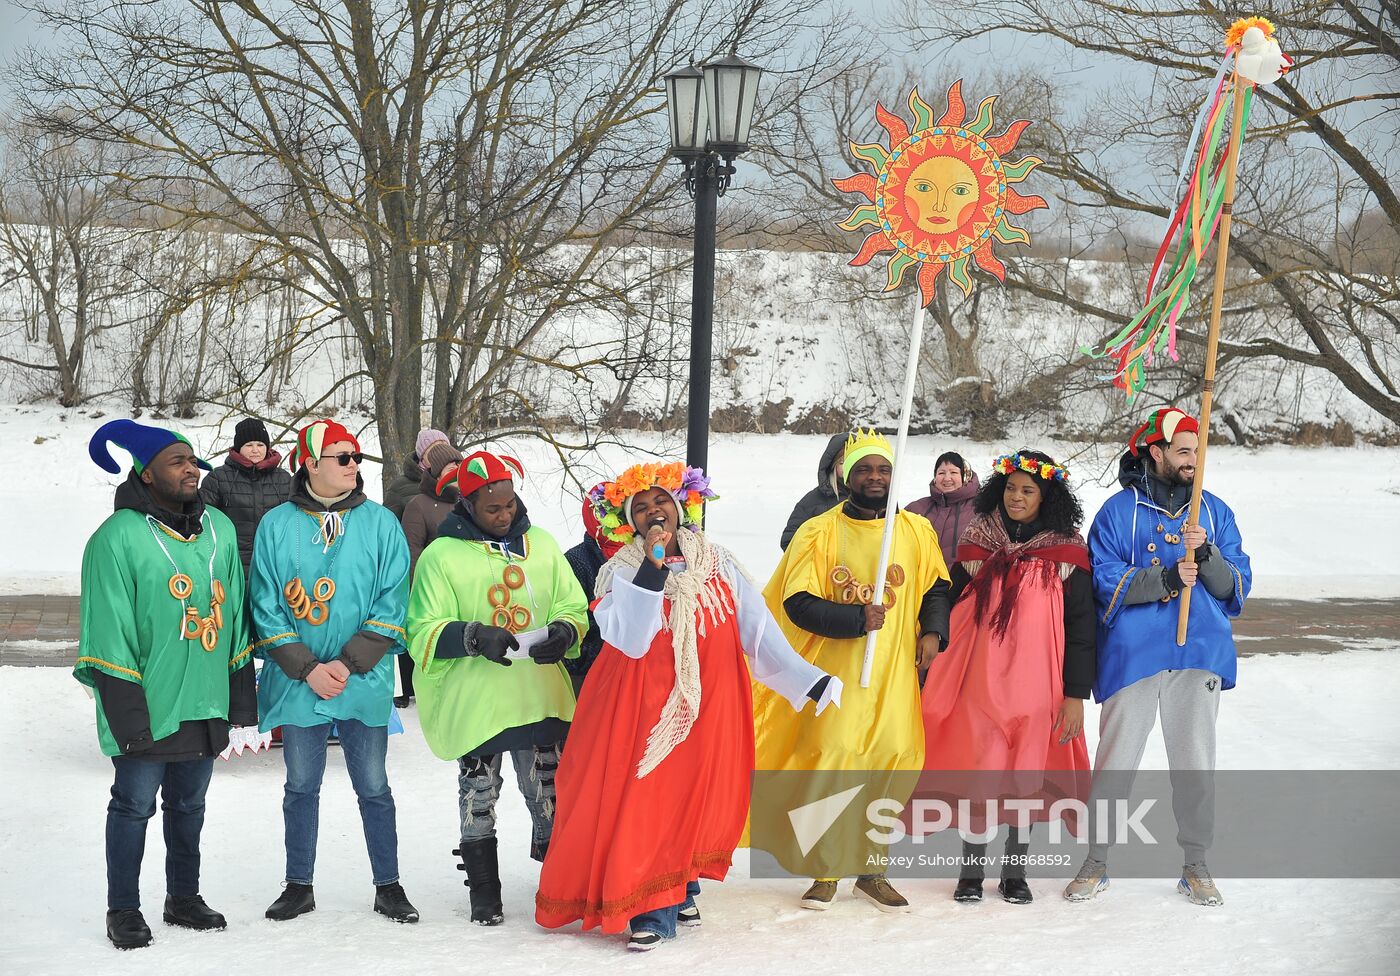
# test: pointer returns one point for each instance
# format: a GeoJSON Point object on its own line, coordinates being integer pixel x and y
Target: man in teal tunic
{"type": "Point", "coordinates": [488, 577]}
{"type": "Point", "coordinates": [164, 647]}
{"type": "Point", "coordinates": [329, 588]}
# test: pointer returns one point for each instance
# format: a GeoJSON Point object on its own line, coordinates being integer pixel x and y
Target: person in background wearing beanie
{"type": "Point", "coordinates": [330, 590]}
{"type": "Point", "coordinates": [830, 489]}
{"type": "Point", "coordinates": [1138, 546]}
{"type": "Point", "coordinates": [402, 489]}
{"type": "Point", "coordinates": [949, 504]}
{"type": "Point", "coordinates": [250, 484]}
{"type": "Point", "coordinates": [586, 559]}
{"type": "Point", "coordinates": [421, 518]}
{"type": "Point", "coordinates": [489, 576]}
{"type": "Point", "coordinates": [164, 645]}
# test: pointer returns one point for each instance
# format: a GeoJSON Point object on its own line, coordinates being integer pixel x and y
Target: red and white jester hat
{"type": "Point", "coordinates": [480, 469]}
{"type": "Point", "coordinates": [1160, 428]}
{"type": "Point", "coordinates": [315, 437]}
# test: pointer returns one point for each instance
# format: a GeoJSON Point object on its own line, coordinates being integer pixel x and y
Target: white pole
{"type": "Point", "coordinates": [910, 371]}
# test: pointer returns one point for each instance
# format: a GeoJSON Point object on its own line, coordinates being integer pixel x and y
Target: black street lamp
{"type": "Point", "coordinates": [710, 110]}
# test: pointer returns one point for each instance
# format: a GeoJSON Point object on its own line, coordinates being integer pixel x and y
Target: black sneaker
{"type": "Point", "coordinates": [688, 916]}
{"type": "Point", "coordinates": [1015, 890]}
{"type": "Point", "coordinates": [643, 941]}
{"type": "Point", "coordinates": [402, 701]}
{"type": "Point", "coordinates": [968, 889]}
{"type": "Point", "coordinates": [296, 899]}
{"type": "Point", "coordinates": [127, 929]}
{"type": "Point", "coordinates": [190, 912]}
{"type": "Point", "coordinates": [390, 900]}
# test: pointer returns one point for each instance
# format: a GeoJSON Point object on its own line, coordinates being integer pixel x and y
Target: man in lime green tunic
{"type": "Point", "coordinates": [164, 646]}
{"type": "Point", "coordinates": [494, 610]}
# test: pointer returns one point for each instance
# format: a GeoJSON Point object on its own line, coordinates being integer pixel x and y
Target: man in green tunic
{"type": "Point", "coordinates": [164, 647]}
{"type": "Point", "coordinates": [490, 588]}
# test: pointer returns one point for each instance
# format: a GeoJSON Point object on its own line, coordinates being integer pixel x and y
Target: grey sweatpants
{"type": "Point", "coordinates": [1188, 702]}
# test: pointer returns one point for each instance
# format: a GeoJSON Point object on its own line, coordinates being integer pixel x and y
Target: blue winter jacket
{"type": "Point", "coordinates": [1139, 640]}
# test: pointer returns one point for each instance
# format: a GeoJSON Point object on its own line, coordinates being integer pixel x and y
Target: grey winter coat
{"type": "Point", "coordinates": [245, 492]}
{"type": "Point", "coordinates": [821, 498]}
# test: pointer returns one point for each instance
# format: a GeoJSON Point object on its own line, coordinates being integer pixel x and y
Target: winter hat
{"type": "Point", "coordinates": [1160, 428]}
{"type": "Point", "coordinates": [314, 437]}
{"type": "Point", "coordinates": [141, 441]}
{"type": "Point", "coordinates": [439, 455]}
{"type": "Point", "coordinates": [426, 437]}
{"type": "Point", "coordinates": [479, 469]}
{"type": "Point", "coordinates": [864, 443]}
{"type": "Point", "coordinates": [593, 525]}
{"type": "Point", "coordinates": [250, 429]}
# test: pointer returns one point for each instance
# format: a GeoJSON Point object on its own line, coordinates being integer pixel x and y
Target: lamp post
{"type": "Point", "coordinates": [710, 111]}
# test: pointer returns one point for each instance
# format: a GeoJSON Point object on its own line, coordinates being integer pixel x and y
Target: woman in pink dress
{"type": "Point", "coordinates": [1004, 703]}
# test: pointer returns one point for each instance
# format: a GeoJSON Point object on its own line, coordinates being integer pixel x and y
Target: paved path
{"type": "Point", "coordinates": [43, 630]}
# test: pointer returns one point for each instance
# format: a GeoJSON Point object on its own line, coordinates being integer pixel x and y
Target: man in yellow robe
{"type": "Point", "coordinates": [822, 595]}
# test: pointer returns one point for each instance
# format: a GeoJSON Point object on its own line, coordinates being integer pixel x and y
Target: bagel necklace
{"type": "Point", "coordinates": [314, 607]}
{"type": "Point", "coordinates": [511, 616]}
{"type": "Point", "coordinates": [847, 589]}
{"type": "Point", "coordinates": [193, 627]}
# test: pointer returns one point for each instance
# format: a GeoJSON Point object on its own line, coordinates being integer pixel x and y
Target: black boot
{"type": "Point", "coordinates": [190, 912]}
{"type": "Point", "coordinates": [483, 880]}
{"type": "Point", "coordinates": [968, 889]}
{"type": "Point", "coordinates": [1015, 890]}
{"type": "Point", "coordinates": [127, 929]}
{"type": "Point", "coordinates": [390, 900]}
{"type": "Point", "coordinates": [296, 899]}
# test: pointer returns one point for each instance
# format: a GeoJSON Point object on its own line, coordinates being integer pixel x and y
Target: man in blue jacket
{"type": "Point", "coordinates": [1138, 546]}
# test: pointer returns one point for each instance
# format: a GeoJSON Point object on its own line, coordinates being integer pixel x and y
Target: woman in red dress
{"type": "Point", "coordinates": [1004, 704]}
{"type": "Point", "coordinates": [653, 787]}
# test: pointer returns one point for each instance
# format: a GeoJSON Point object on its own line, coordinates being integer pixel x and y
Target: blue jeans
{"type": "Point", "coordinates": [182, 787]}
{"type": "Point", "coordinates": [364, 747]}
{"type": "Point", "coordinates": [662, 921]}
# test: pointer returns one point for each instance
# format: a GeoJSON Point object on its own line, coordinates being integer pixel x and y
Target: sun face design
{"type": "Point", "coordinates": [941, 195]}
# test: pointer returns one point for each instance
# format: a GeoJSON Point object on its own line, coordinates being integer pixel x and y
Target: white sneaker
{"type": "Point", "coordinates": [643, 941]}
{"type": "Point", "coordinates": [1198, 886]}
{"type": "Point", "coordinates": [1091, 879]}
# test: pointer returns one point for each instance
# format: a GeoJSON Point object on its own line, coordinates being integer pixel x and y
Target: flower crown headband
{"type": "Point", "coordinates": [688, 486]}
{"type": "Point", "coordinates": [1044, 470]}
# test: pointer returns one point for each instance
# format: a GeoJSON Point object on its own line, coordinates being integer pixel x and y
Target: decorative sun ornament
{"type": "Point", "coordinates": [941, 195]}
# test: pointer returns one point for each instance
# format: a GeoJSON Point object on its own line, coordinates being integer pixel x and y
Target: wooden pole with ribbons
{"type": "Point", "coordinates": [1222, 253]}
{"type": "Point", "coordinates": [911, 371]}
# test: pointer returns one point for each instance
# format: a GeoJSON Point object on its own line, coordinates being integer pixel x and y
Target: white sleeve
{"type": "Point", "coordinates": [773, 661]}
{"type": "Point", "coordinates": [629, 616]}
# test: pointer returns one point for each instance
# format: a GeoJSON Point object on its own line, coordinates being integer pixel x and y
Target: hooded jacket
{"type": "Point", "coordinates": [245, 492]}
{"type": "Point", "coordinates": [1134, 546]}
{"type": "Point", "coordinates": [402, 489]}
{"type": "Point", "coordinates": [821, 498]}
{"type": "Point", "coordinates": [146, 680]}
{"type": "Point", "coordinates": [949, 513]}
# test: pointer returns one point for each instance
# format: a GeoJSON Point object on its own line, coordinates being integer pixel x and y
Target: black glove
{"type": "Point", "coordinates": [815, 692]}
{"type": "Point", "coordinates": [555, 645]}
{"type": "Point", "coordinates": [489, 642]}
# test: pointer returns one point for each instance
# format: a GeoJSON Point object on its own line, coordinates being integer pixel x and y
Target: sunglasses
{"type": "Point", "coordinates": [345, 459]}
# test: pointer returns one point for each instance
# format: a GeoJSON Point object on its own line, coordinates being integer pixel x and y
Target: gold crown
{"type": "Point", "coordinates": [867, 438]}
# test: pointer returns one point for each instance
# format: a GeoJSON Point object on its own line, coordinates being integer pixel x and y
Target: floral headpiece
{"type": "Point", "coordinates": [1044, 470]}
{"type": "Point", "coordinates": [689, 487]}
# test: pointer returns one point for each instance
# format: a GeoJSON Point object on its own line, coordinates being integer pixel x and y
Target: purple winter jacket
{"type": "Point", "coordinates": [950, 514]}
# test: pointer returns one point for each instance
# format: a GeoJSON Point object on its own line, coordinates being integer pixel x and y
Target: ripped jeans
{"type": "Point", "coordinates": [479, 784]}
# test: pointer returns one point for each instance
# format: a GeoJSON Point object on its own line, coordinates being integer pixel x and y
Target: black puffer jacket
{"type": "Point", "coordinates": [245, 492]}
{"type": "Point", "coordinates": [402, 489]}
{"type": "Point", "coordinates": [821, 498]}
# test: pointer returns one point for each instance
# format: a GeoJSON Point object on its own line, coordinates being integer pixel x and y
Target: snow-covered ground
{"type": "Point", "coordinates": [1302, 511]}
{"type": "Point", "coordinates": [52, 876]}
